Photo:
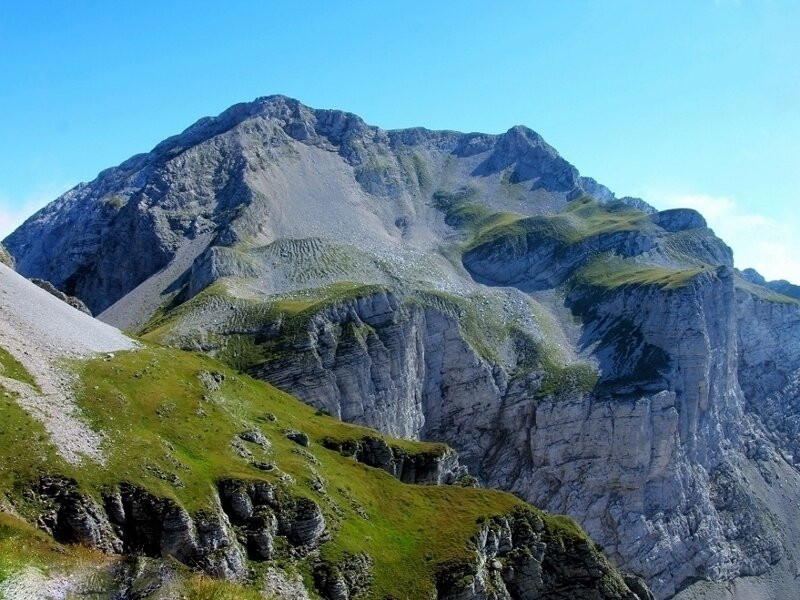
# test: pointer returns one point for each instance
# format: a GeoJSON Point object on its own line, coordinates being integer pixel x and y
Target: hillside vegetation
{"type": "Point", "coordinates": [176, 424]}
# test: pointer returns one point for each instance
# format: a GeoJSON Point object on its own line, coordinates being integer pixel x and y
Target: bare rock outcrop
{"type": "Point", "coordinates": [71, 300]}
{"type": "Point", "coordinates": [437, 467]}
{"type": "Point", "coordinates": [517, 558]}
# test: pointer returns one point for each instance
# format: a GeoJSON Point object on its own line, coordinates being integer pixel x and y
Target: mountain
{"type": "Point", "coordinates": [590, 354]}
{"type": "Point", "coordinates": [179, 477]}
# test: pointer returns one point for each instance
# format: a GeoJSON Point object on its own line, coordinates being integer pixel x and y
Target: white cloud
{"type": "Point", "coordinates": [13, 213]}
{"type": "Point", "coordinates": [765, 243]}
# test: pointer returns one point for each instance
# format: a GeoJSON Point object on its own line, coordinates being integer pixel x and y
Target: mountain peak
{"type": "Point", "coordinates": [524, 132]}
{"type": "Point", "coordinates": [171, 195]}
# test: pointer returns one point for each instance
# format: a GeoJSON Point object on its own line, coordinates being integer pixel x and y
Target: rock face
{"type": "Point", "coordinates": [517, 559]}
{"type": "Point", "coordinates": [781, 286]}
{"type": "Point", "coordinates": [593, 355]}
{"type": "Point", "coordinates": [347, 579]}
{"type": "Point", "coordinates": [769, 369]}
{"type": "Point", "coordinates": [263, 514]}
{"type": "Point", "coordinates": [649, 462]}
{"type": "Point", "coordinates": [134, 521]}
{"type": "Point", "coordinates": [76, 303]}
{"type": "Point", "coordinates": [73, 517]}
{"type": "Point", "coordinates": [170, 196]}
{"type": "Point", "coordinates": [515, 556]}
{"type": "Point", "coordinates": [440, 468]}
{"type": "Point", "coordinates": [409, 359]}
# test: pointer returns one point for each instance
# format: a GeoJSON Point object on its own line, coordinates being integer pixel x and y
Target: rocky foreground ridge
{"type": "Point", "coordinates": [591, 354]}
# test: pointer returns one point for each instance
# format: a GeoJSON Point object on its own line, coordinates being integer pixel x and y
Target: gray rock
{"type": "Point", "coordinates": [280, 584]}
{"type": "Point", "coordinates": [261, 531]}
{"type": "Point", "coordinates": [516, 557]}
{"type": "Point", "coordinates": [211, 380]}
{"type": "Point", "coordinates": [73, 517]}
{"type": "Point", "coordinates": [263, 513]}
{"type": "Point", "coordinates": [235, 497]}
{"type": "Point", "coordinates": [254, 436]}
{"type": "Point", "coordinates": [427, 468]}
{"type": "Point", "coordinates": [679, 219]}
{"type": "Point", "coordinates": [76, 303]}
{"type": "Point", "coordinates": [351, 577]}
{"type": "Point", "coordinates": [299, 437]}
{"type": "Point", "coordinates": [303, 523]}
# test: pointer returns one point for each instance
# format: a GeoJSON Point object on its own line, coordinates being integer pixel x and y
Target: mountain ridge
{"type": "Point", "coordinates": [591, 354]}
{"type": "Point", "coordinates": [336, 126]}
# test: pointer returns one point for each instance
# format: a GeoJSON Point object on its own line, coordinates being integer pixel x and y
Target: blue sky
{"type": "Point", "coordinates": [692, 102]}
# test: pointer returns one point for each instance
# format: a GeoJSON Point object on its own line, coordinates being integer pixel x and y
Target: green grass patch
{"type": "Point", "coordinates": [763, 293]}
{"type": "Point", "coordinates": [563, 379]}
{"type": "Point", "coordinates": [462, 212]}
{"type": "Point", "coordinates": [13, 369]}
{"type": "Point", "coordinates": [157, 413]}
{"type": "Point", "coordinates": [614, 272]}
{"type": "Point", "coordinates": [23, 546]}
{"type": "Point", "coordinates": [579, 220]}
{"type": "Point", "coordinates": [168, 432]}
{"type": "Point", "coordinates": [25, 448]}
{"type": "Point", "coordinates": [201, 587]}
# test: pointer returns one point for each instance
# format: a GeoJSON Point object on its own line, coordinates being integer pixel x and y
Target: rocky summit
{"type": "Point", "coordinates": [591, 354]}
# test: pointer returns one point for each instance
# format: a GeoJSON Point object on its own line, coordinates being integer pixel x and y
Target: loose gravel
{"type": "Point", "coordinates": [41, 332]}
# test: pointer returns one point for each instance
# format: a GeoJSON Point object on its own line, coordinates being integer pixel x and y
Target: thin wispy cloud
{"type": "Point", "coordinates": [767, 244]}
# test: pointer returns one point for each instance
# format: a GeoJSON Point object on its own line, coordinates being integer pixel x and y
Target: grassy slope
{"type": "Point", "coordinates": [612, 272]}
{"type": "Point", "coordinates": [764, 293]}
{"type": "Point", "coordinates": [22, 545]}
{"type": "Point", "coordinates": [160, 421]}
{"type": "Point", "coordinates": [10, 367]}
{"type": "Point", "coordinates": [580, 219]}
